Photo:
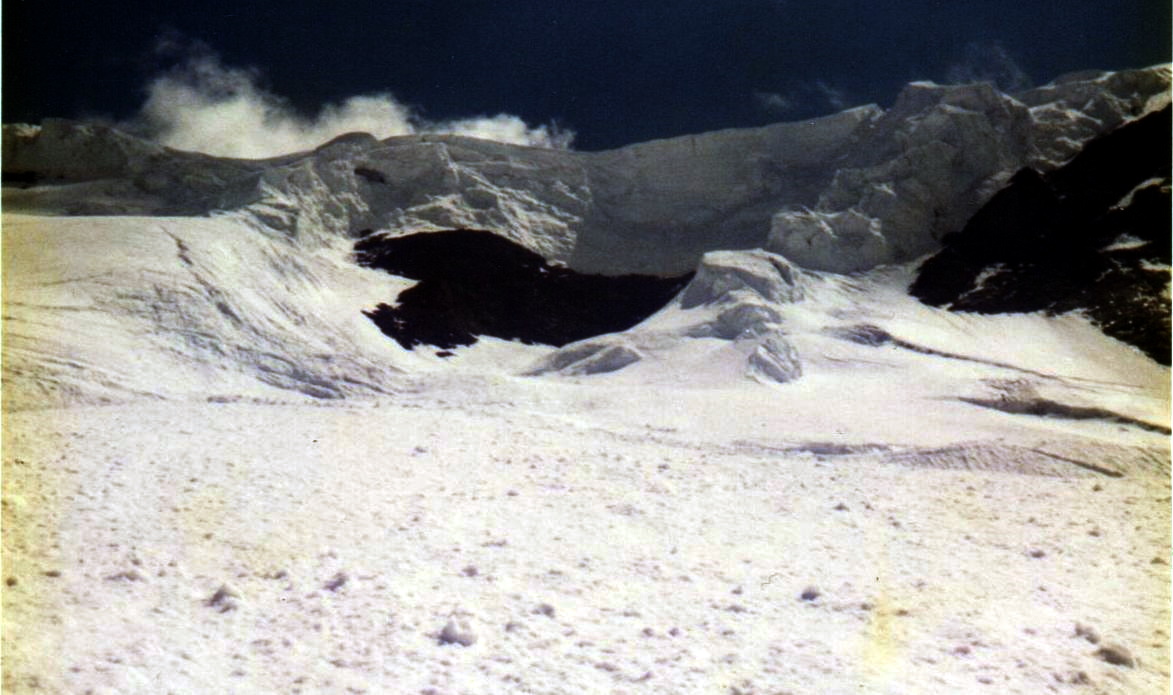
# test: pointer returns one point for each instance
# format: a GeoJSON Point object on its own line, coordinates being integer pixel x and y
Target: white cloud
{"type": "Point", "coordinates": [817, 95]}
{"type": "Point", "coordinates": [835, 98]}
{"type": "Point", "coordinates": [205, 106]}
{"type": "Point", "coordinates": [774, 102]}
{"type": "Point", "coordinates": [506, 128]}
{"type": "Point", "coordinates": [989, 62]}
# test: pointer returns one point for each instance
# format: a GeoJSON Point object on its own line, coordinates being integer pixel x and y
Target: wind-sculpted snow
{"type": "Point", "coordinates": [844, 192]}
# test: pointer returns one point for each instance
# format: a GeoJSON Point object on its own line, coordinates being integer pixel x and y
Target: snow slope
{"type": "Point", "coordinates": [583, 556]}
{"type": "Point", "coordinates": [220, 477]}
{"type": "Point", "coordinates": [650, 529]}
{"type": "Point", "coordinates": [108, 308]}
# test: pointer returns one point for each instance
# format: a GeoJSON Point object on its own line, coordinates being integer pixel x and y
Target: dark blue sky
{"type": "Point", "coordinates": [614, 71]}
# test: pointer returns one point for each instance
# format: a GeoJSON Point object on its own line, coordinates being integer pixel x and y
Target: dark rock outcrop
{"type": "Point", "coordinates": [474, 283]}
{"type": "Point", "coordinates": [1091, 236]}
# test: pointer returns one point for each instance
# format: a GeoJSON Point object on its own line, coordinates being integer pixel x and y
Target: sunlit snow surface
{"type": "Point", "coordinates": [669, 513]}
{"type": "Point", "coordinates": [220, 477]}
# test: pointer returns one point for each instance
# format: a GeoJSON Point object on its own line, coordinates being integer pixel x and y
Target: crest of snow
{"type": "Point", "coordinates": [1127, 199]}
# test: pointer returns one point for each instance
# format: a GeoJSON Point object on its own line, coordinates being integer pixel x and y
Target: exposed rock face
{"type": "Point", "coordinates": [474, 283]}
{"type": "Point", "coordinates": [1092, 235]}
{"type": "Point", "coordinates": [844, 192]}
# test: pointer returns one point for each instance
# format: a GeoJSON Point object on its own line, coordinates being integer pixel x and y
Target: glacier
{"type": "Point", "coordinates": [788, 472]}
{"type": "Point", "coordinates": [843, 193]}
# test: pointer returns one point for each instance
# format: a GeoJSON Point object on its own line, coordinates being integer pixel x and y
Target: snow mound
{"type": "Point", "coordinates": [724, 277]}
{"type": "Point", "coordinates": [735, 301]}
{"type": "Point", "coordinates": [583, 358]}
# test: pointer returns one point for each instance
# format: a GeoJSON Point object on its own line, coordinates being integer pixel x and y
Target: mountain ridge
{"type": "Point", "coordinates": [237, 275]}
{"type": "Point", "coordinates": [843, 192]}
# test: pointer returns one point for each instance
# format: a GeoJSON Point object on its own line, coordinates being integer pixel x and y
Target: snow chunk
{"type": "Point", "coordinates": [774, 359]}
{"type": "Point", "coordinates": [723, 273]}
{"type": "Point", "coordinates": [746, 317]}
{"type": "Point", "coordinates": [841, 242]}
{"type": "Point", "coordinates": [457, 632]}
{"type": "Point", "coordinates": [596, 356]}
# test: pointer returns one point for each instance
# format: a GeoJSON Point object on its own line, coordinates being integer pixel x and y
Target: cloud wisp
{"type": "Point", "coordinates": [989, 62]}
{"type": "Point", "coordinates": [819, 96]}
{"type": "Point", "coordinates": [775, 103]}
{"type": "Point", "coordinates": [205, 106]}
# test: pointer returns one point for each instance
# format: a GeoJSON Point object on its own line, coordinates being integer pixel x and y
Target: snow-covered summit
{"type": "Point", "coordinates": [844, 192]}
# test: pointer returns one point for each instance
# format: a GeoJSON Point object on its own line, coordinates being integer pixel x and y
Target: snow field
{"type": "Point", "coordinates": [582, 558]}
